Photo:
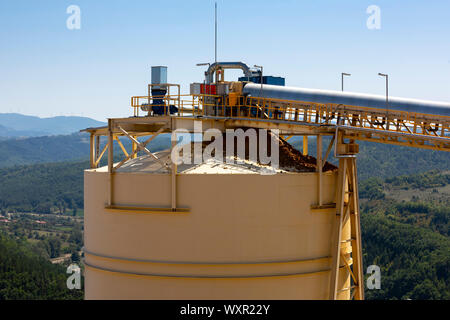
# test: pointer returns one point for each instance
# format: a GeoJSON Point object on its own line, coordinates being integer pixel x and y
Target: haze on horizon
{"type": "Point", "coordinates": [49, 70]}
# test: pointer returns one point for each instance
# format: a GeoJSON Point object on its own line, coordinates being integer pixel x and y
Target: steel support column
{"type": "Point", "coordinates": [347, 253]}
{"type": "Point", "coordinates": [110, 161]}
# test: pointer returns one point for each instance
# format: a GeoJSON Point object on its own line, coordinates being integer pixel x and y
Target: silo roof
{"type": "Point", "coordinates": [147, 164]}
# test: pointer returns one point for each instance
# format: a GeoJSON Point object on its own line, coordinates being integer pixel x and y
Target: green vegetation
{"type": "Point", "coordinates": [372, 189]}
{"type": "Point", "coordinates": [50, 236]}
{"type": "Point", "coordinates": [424, 180]}
{"type": "Point", "coordinates": [25, 275]}
{"type": "Point", "coordinates": [405, 230]}
{"type": "Point", "coordinates": [414, 261]}
{"type": "Point", "coordinates": [44, 149]}
{"type": "Point", "coordinates": [383, 160]}
{"type": "Point", "coordinates": [422, 200]}
{"type": "Point", "coordinates": [62, 148]}
{"type": "Point", "coordinates": [43, 188]}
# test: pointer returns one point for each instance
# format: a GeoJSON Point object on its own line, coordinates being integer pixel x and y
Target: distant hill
{"type": "Point", "coordinates": [44, 149]}
{"type": "Point", "coordinates": [19, 125]}
{"type": "Point", "coordinates": [374, 159]}
{"type": "Point", "coordinates": [405, 224]}
{"type": "Point", "coordinates": [57, 148]}
{"type": "Point", "coordinates": [384, 160]}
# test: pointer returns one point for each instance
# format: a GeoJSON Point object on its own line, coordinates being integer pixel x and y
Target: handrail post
{"type": "Point", "coordinates": [110, 161]}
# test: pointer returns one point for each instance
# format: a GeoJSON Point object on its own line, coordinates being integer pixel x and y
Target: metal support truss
{"type": "Point", "coordinates": [95, 154]}
{"type": "Point", "coordinates": [136, 147]}
{"type": "Point", "coordinates": [347, 270]}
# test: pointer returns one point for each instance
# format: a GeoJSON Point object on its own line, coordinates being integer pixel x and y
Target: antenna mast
{"type": "Point", "coordinates": [215, 34]}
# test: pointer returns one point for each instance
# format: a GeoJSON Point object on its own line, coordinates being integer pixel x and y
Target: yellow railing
{"type": "Point", "coordinates": [187, 105]}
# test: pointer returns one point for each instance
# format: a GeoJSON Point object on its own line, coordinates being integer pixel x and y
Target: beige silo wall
{"type": "Point", "coordinates": [247, 236]}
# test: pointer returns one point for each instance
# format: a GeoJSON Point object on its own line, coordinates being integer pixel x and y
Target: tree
{"type": "Point", "coordinates": [75, 257]}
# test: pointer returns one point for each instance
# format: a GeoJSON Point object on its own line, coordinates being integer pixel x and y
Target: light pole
{"type": "Point", "coordinates": [387, 97]}
{"type": "Point", "coordinates": [215, 33]}
{"type": "Point", "coordinates": [342, 79]}
{"type": "Point", "coordinates": [261, 80]}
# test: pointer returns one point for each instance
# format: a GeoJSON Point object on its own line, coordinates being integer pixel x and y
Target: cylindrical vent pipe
{"type": "Point", "coordinates": [159, 76]}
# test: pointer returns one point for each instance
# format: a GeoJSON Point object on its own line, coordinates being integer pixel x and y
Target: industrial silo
{"type": "Point", "coordinates": [243, 235]}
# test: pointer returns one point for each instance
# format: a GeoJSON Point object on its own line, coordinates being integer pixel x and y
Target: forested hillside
{"type": "Point", "coordinates": [414, 261]}
{"type": "Point", "coordinates": [43, 149]}
{"type": "Point", "coordinates": [383, 160]}
{"type": "Point", "coordinates": [26, 276]}
{"type": "Point", "coordinates": [38, 188]}
{"type": "Point", "coordinates": [55, 148]}
{"type": "Point", "coordinates": [406, 232]}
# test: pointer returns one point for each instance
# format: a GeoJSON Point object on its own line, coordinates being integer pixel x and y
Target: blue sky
{"type": "Point", "coordinates": [48, 70]}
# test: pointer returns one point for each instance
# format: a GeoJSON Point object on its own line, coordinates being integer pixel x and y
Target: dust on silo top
{"type": "Point", "coordinates": [290, 160]}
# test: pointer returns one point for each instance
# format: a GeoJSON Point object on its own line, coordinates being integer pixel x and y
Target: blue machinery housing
{"type": "Point", "coordinates": [276, 81]}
